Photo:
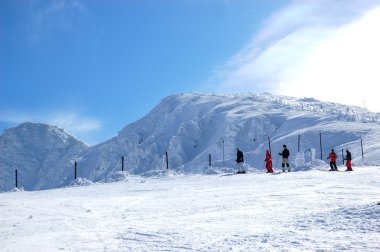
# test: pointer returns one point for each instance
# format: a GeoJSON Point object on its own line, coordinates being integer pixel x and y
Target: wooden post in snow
{"type": "Point", "coordinates": [167, 160]}
{"type": "Point", "coordinates": [270, 151]}
{"type": "Point", "coordinates": [75, 169]}
{"type": "Point", "coordinates": [320, 144]}
{"type": "Point", "coordinates": [299, 142]}
{"type": "Point", "coordinates": [16, 177]}
{"type": "Point", "coordinates": [361, 144]}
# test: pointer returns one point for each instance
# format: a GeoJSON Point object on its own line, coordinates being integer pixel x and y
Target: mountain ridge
{"type": "Point", "coordinates": [192, 126]}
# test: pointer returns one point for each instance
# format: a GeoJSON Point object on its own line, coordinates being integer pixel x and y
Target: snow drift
{"type": "Point", "coordinates": [299, 211]}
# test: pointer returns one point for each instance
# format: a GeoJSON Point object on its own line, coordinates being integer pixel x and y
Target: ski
{"type": "Point", "coordinates": [276, 173]}
{"type": "Point", "coordinates": [329, 170]}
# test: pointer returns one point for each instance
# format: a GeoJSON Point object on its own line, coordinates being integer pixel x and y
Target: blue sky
{"type": "Point", "coordinates": [91, 66]}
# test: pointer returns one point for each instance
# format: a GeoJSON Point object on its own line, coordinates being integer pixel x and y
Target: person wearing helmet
{"type": "Point", "coordinates": [268, 162]}
{"type": "Point", "coordinates": [285, 161]}
{"type": "Point", "coordinates": [240, 160]}
{"type": "Point", "coordinates": [333, 157]}
{"type": "Point", "coordinates": [348, 160]}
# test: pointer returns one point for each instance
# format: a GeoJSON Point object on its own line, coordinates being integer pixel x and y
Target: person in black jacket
{"type": "Point", "coordinates": [285, 155]}
{"type": "Point", "coordinates": [240, 160]}
{"type": "Point", "coordinates": [348, 160]}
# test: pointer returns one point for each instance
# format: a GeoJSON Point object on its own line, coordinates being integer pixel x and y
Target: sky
{"type": "Point", "coordinates": [92, 67]}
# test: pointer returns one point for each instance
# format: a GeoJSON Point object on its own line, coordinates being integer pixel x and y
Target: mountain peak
{"type": "Point", "coordinates": [351, 113]}
{"type": "Point", "coordinates": [189, 127]}
{"type": "Point", "coordinates": [36, 150]}
{"type": "Point", "coordinates": [40, 132]}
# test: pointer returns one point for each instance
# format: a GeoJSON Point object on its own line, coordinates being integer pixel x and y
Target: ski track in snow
{"type": "Point", "coordinates": [299, 211]}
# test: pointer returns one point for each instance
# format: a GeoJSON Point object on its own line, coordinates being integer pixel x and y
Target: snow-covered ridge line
{"type": "Point", "coordinates": [350, 113]}
{"type": "Point", "coordinates": [60, 132]}
{"type": "Point", "coordinates": [189, 127]}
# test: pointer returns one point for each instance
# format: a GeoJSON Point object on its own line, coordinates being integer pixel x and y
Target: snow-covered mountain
{"type": "Point", "coordinates": [41, 153]}
{"type": "Point", "coordinates": [190, 127]}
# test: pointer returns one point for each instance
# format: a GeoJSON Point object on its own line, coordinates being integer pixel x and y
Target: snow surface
{"type": "Point", "coordinates": [191, 206]}
{"type": "Point", "coordinates": [299, 211]}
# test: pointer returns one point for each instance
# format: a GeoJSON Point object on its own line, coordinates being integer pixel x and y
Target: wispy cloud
{"type": "Point", "coordinates": [52, 16]}
{"type": "Point", "coordinates": [323, 49]}
{"type": "Point", "coordinates": [53, 8]}
{"type": "Point", "coordinates": [71, 120]}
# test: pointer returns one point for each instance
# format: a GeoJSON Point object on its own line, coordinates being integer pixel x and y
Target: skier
{"type": "Point", "coordinates": [285, 155]}
{"type": "Point", "coordinates": [240, 160]}
{"type": "Point", "coordinates": [333, 158]}
{"type": "Point", "coordinates": [268, 162]}
{"type": "Point", "coordinates": [348, 160]}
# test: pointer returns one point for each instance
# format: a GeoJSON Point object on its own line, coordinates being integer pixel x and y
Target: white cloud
{"type": "Point", "coordinates": [46, 17]}
{"type": "Point", "coordinates": [323, 49]}
{"type": "Point", "coordinates": [72, 121]}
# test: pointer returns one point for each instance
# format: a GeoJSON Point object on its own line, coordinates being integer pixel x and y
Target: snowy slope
{"type": "Point", "coordinates": [300, 211]}
{"type": "Point", "coordinates": [42, 154]}
{"type": "Point", "coordinates": [190, 127]}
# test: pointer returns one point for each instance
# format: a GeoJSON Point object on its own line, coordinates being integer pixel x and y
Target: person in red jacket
{"type": "Point", "coordinates": [333, 158]}
{"type": "Point", "coordinates": [268, 162]}
{"type": "Point", "coordinates": [348, 160]}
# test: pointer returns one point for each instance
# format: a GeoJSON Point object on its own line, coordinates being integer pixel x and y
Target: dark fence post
{"type": "Point", "coordinates": [16, 177]}
{"type": "Point", "coordinates": [320, 144]}
{"type": "Point", "coordinates": [167, 160]}
{"type": "Point", "coordinates": [75, 169]}
{"type": "Point", "coordinates": [122, 163]}
{"type": "Point", "coordinates": [270, 150]}
{"type": "Point", "coordinates": [299, 142]}
{"type": "Point", "coordinates": [209, 160]}
{"type": "Point", "coordinates": [361, 143]}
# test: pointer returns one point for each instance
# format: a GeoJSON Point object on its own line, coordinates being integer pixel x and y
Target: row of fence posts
{"type": "Point", "coordinates": [320, 146]}
{"type": "Point", "coordinates": [209, 156]}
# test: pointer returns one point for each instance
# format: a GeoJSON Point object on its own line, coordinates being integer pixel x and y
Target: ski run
{"type": "Point", "coordinates": [297, 211]}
